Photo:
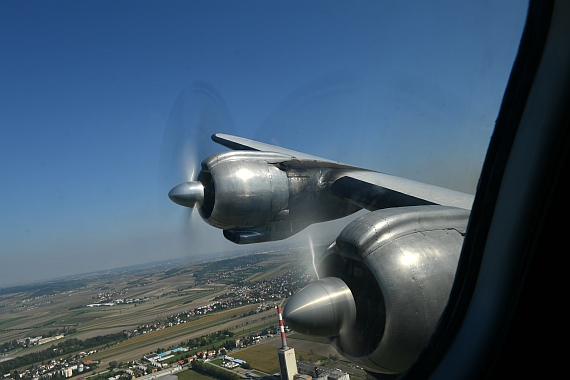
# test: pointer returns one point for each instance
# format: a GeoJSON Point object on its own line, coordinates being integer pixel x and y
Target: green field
{"type": "Point", "coordinates": [261, 357]}
{"type": "Point", "coordinates": [192, 375]}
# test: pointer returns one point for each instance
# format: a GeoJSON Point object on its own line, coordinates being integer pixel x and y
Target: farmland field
{"type": "Point", "coordinates": [191, 375]}
{"type": "Point", "coordinates": [262, 357]}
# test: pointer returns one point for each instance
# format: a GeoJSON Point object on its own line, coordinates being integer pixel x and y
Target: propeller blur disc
{"type": "Point", "coordinates": [198, 112]}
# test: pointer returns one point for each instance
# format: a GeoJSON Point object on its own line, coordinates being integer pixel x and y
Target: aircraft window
{"type": "Point", "coordinates": [410, 89]}
{"type": "Point", "coordinates": [107, 108]}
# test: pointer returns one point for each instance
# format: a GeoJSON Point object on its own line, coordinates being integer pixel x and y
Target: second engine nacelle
{"type": "Point", "coordinates": [394, 268]}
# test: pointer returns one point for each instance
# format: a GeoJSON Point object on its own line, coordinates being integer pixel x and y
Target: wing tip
{"type": "Point", "coordinates": [232, 142]}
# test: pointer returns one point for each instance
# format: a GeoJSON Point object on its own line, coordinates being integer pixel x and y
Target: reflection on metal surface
{"type": "Point", "coordinates": [244, 174]}
{"type": "Point", "coordinates": [324, 308]}
{"type": "Point", "coordinates": [188, 194]}
{"type": "Point", "coordinates": [408, 258]}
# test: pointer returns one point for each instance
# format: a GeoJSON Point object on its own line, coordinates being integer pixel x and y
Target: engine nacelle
{"type": "Point", "coordinates": [262, 196]}
{"type": "Point", "coordinates": [399, 265]}
{"type": "Point", "coordinates": [242, 189]}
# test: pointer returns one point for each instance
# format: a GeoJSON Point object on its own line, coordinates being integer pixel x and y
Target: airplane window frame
{"type": "Point", "coordinates": [532, 116]}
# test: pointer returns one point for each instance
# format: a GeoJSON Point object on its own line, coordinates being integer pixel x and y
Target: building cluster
{"type": "Point", "coordinates": [119, 301]}
{"type": "Point", "coordinates": [310, 371]}
{"type": "Point", "coordinates": [299, 370]}
{"type": "Point", "coordinates": [229, 362]}
{"type": "Point", "coordinates": [179, 318]}
{"type": "Point", "coordinates": [156, 359]}
{"type": "Point", "coordinates": [73, 366]}
{"type": "Point", "coordinates": [55, 368]}
{"type": "Point", "coordinates": [247, 264]}
{"type": "Point", "coordinates": [112, 294]}
{"type": "Point", "coordinates": [115, 297]}
{"type": "Point", "coordinates": [280, 287]}
{"type": "Point", "coordinates": [27, 342]}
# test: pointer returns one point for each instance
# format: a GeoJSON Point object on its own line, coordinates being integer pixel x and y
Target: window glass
{"type": "Point", "coordinates": [105, 106]}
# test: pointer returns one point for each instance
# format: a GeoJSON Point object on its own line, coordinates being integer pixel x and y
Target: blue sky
{"type": "Point", "coordinates": [93, 95]}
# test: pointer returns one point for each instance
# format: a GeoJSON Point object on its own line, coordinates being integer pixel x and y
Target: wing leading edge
{"type": "Point", "coordinates": [365, 188]}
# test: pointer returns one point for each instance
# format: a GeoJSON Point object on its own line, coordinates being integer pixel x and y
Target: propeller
{"type": "Point", "coordinates": [200, 111]}
{"type": "Point", "coordinates": [197, 113]}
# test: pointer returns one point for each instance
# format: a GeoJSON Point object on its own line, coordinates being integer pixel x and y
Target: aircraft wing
{"type": "Point", "coordinates": [365, 188]}
{"type": "Point", "coordinates": [241, 143]}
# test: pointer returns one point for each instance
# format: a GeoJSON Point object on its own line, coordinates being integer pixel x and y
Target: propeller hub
{"type": "Point", "coordinates": [188, 194]}
{"type": "Point", "coordinates": [322, 308]}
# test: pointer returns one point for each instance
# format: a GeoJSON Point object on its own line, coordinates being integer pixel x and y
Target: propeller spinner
{"type": "Point", "coordinates": [188, 194]}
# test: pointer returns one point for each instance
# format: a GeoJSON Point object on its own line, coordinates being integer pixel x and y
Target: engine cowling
{"type": "Point", "coordinates": [242, 191]}
{"type": "Point", "coordinates": [399, 265]}
{"type": "Point", "coordinates": [261, 196]}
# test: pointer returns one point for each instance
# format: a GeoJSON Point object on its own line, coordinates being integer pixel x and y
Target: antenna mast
{"type": "Point", "coordinates": [281, 328]}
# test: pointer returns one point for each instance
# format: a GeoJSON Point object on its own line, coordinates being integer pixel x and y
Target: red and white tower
{"type": "Point", "coordinates": [281, 328]}
{"type": "Point", "coordinates": [285, 354]}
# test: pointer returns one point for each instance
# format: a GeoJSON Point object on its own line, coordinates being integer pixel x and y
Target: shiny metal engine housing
{"type": "Point", "coordinates": [261, 196]}
{"type": "Point", "coordinates": [400, 265]}
{"type": "Point", "coordinates": [242, 191]}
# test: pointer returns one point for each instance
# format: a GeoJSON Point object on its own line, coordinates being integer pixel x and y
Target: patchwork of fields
{"type": "Point", "coordinates": [162, 306]}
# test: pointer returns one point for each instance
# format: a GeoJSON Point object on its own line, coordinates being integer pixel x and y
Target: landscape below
{"type": "Point", "coordinates": [107, 325]}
